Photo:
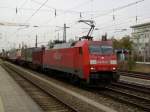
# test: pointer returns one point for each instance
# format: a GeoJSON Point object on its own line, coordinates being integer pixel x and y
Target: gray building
{"type": "Point", "coordinates": [141, 40]}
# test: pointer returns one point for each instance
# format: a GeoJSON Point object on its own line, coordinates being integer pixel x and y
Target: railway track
{"type": "Point", "coordinates": [130, 94]}
{"type": "Point", "coordinates": [135, 74]}
{"type": "Point", "coordinates": [132, 86]}
{"type": "Point", "coordinates": [122, 92]}
{"type": "Point", "coordinates": [68, 100]}
{"type": "Point", "coordinates": [47, 102]}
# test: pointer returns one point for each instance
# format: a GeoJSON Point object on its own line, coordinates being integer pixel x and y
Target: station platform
{"type": "Point", "coordinates": [135, 80]}
{"type": "Point", "coordinates": [13, 98]}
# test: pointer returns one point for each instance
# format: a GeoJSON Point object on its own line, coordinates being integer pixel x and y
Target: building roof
{"type": "Point", "coordinates": [140, 25]}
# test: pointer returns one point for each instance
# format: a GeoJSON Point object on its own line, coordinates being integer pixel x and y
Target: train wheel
{"type": "Point", "coordinates": [116, 77]}
{"type": "Point", "coordinates": [74, 79]}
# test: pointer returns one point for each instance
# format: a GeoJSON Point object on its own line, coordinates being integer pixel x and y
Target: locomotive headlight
{"type": "Point", "coordinates": [93, 61]}
{"type": "Point", "coordinates": [114, 68]}
{"type": "Point", "coordinates": [113, 61]}
{"type": "Point", "coordinates": [92, 68]}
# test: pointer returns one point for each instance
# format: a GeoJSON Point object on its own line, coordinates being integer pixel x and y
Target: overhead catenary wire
{"type": "Point", "coordinates": [17, 8]}
{"type": "Point", "coordinates": [70, 10]}
{"type": "Point", "coordinates": [131, 20]}
{"type": "Point", "coordinates": [36, 11]}
{"type": "Point", "coordinates": [29, 18]}
{"type": "Point", "coordinates": [124, 18]}
{"type": "Point", "coordinates": [64, 11]}
{"type": "Point", "coordinates": [119, 8]}
{"type": "Point", "coordinates": [109, 13]}
{"type": "Point", "coordinates": [24, 9]}
{"type": "Point", "coordinates": [55, 10]}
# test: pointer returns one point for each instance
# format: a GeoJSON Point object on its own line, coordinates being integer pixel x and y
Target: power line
{"type": "Point", "coordinates": [79, 12]}
{"type": "Point", "coordinates": [120, 8]}
{"type": "Point", "coordinates": [17, 8]}
{"type": "Point", "coordinates": [67, 10]}
{"type": "Point", "coordinates": [53, 8]}
{"type": "Point", "coordinates": [32, 15]}
{"type": "Point", "coordinates": [123, 22]}
{"type": "Point", "coordinates": [116, 9]}
{"type": "Point", "coordinates": [119, 20]}
{"type": "Point", "coordinates": [26, 9]}
{"type": "Point", "coordinates": [36, 11]}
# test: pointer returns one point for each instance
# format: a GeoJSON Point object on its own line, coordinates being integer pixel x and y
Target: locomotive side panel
{"type": "Point", "coordinates": [85, 61]}
{"type": "Point", "coordinates": [66, 60]}
{"type": "Point", "coordinates": [78, 62]}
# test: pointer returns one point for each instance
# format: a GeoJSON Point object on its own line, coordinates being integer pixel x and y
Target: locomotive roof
{"type": "Point", "coordinates": [81, 43]}
{"type": "Point", "coordinates": [107, 42]}
{"type": "Point", "coordinates": [62, 45]}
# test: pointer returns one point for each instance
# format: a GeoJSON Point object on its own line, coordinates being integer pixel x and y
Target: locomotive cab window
{"type": "Point", "coordinates": [100, 49]}
{"type": "Point", "coordinates": [80, 50]}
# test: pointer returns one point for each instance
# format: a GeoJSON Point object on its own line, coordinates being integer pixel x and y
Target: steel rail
{"type": "Point", "coordinates": [72, 99]}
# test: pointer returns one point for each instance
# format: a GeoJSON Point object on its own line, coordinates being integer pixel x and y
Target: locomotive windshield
{"type": "Point", "coordinates": [100, 49]}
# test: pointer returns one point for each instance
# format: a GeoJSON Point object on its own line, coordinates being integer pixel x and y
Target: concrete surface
{"type": "Point", "coordinates": [12, 97]}
{"type": "Point", "coordinates": [135, 80]}
{"type": "Point", "coordinates": [79, 102]}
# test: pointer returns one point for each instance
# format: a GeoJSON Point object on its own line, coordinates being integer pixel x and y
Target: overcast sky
{"type": "Point", "coordinates": [57, 12]}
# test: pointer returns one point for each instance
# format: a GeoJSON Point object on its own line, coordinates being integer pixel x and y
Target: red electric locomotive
{"type": "Point", "coordinates": [91, 61]}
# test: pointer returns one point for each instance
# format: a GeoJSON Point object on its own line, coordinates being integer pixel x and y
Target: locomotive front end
{"type": "Point", "coordinates": [103, 63]}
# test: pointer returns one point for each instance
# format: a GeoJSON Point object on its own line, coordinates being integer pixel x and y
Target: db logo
{"type": "Point", "coordinates": [57, 56]}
